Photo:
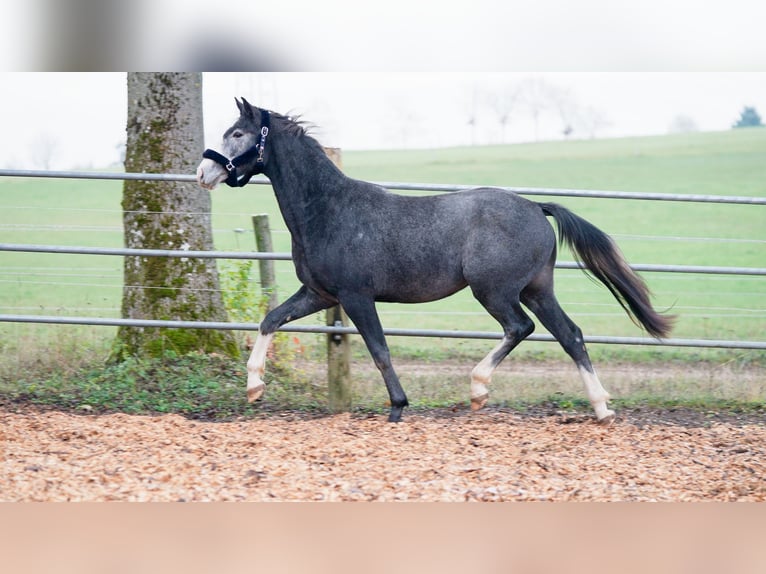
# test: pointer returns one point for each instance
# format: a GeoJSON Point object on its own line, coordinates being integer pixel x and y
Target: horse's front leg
{"type": "Point", "coordinates": [361, 310]}
{"type": "Point", "coordinates": [304, 302]}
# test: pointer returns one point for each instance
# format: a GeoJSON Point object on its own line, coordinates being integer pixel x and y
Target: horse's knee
{"type": "Point", "coordinates": [269, 323]}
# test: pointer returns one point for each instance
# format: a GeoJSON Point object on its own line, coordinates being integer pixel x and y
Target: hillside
{"type": "Point", "coordinates": [721, 163]}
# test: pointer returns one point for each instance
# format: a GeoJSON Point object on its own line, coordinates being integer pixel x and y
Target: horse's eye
{"type": "Point", "coordinates": [237, 135]}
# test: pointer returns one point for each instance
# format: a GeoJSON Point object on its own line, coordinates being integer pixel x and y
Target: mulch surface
{"type": "Point", "coordinates": [437, 455]}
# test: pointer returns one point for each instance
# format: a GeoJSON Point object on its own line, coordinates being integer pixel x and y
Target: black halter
{"type": "Point", "coordinates": [255, 152]}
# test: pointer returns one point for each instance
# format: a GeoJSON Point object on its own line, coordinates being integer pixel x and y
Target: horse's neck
{"type": "Point", "coordinates": [305, 182]}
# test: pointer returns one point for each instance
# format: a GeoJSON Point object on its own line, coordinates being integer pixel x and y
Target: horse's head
{"type": "Point", "coordinates": [244, 150]}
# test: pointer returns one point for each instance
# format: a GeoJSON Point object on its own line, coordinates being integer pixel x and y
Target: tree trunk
{"type": "Point", "coordinates": [165, 135]}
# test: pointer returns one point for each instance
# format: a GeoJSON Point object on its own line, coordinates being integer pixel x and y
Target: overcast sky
{"type": "Point", "coordinates": [80, 118]}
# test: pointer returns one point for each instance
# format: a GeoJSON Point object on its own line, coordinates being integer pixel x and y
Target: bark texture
{"type": "Point", "coordinates": [165, 135]}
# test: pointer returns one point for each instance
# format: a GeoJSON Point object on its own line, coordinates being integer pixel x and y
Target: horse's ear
{"type": "Point", "coordinates": [245, 109]}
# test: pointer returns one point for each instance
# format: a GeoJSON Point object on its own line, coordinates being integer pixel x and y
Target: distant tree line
{"type": "Point", "coordinates": [535, 98]}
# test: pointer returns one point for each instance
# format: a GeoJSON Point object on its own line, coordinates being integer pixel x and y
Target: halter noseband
{"type": "Point", "coordinates": [255, 152]}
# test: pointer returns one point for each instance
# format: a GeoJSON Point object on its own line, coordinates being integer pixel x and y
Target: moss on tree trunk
{"type": "Point", "coordinates": [165, 135]}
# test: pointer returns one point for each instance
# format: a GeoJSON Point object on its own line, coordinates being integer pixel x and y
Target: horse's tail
{"type": "Point", "coordinates": [601, 256]}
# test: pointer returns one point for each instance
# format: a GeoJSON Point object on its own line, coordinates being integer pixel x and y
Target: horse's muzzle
{"type": "Point", "coordinates": [210, 174]}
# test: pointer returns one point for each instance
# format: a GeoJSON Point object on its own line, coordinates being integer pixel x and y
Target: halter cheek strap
{"type": "Point", "coordinates": [254, 153]}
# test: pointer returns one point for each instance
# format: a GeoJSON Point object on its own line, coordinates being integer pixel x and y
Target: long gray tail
{"type": "Point", "coordinates": [601, 256]}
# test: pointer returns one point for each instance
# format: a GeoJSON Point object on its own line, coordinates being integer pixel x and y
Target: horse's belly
{"type": "Point", "coordinates": [420, 293]}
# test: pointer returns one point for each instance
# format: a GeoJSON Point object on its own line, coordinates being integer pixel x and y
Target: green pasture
{"type": "Point", "coordinates": [82, 212]}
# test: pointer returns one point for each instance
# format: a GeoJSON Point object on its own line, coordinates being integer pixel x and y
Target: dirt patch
{"type": "Point", "coordinates": [435, 455]}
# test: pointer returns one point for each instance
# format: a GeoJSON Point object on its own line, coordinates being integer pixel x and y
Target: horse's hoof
{"type": "Point", "coordinates": [607, 419]}
{"type": "Point", "coordinates": [395, 416]}
{"type": "Point", "coordinates": [478, 403]}
{"type": "Point", "coordinates": [254, 393]}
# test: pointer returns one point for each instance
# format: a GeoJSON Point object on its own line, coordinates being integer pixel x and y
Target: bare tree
{"type": "Point", "coordinates": [566, 107]}
{"type": "Point", "coordinates": [503, 102]}
{"type": "Point", "coordinates": [592, 121]}
{"type": "Point", "coordinates": [683, 124]}
{"type": "Point", "coordinates": [45, 147]}
{"type": "Point", "coordinates": [472, 103]}
{"type": "Point", "coordinates": [536, 95]}
{"type": "Point", "coordinates": [402, 120]}
{"type": "Point", "coordinates": [165, 135]}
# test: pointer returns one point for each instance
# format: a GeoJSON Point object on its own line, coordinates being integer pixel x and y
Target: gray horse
{"type": "Point", "coordinates": [354, 243]}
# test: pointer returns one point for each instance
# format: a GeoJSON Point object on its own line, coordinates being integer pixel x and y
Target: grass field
{"type": "Point", "coordinates": [79, 212]}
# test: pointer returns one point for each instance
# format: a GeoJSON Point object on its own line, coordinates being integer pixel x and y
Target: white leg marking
{"type": "Point", "coordinates": [597, 395]}
{"type": "Point", "coordinates": [256, 366]}
{"type": "Point", "coordinates": [480, 378]}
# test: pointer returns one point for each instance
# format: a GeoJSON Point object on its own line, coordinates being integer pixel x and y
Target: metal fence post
{"type": "Point", "coordinates": [338, 346]}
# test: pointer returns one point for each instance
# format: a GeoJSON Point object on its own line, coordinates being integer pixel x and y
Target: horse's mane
{"type": "Point", "coordinates": [294, 125]}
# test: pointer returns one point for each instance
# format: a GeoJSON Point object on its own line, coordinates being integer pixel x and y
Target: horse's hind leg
{"type": "Point", "coordinates": [516, 327]}
{"type": "Point", "coordinates": [361, 310]}
{"type": "Point", "coordinates": [542, 302]}
{"type": "Point", "coordinates": [302, 303]}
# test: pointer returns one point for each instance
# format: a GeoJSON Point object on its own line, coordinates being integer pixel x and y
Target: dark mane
{"type": "Point", "coordinates": [293, 125]}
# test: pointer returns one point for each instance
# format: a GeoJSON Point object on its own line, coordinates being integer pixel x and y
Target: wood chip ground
{"type": "Point", "coordinates": [440, 455]}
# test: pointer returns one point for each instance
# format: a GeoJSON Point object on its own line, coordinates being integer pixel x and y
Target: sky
{"type": "Point", "coordinates": [77, 121]}
{"type": "Point", "coordinates": [384, 35]}
{"type": "Point", "coordinates": [614, 68]}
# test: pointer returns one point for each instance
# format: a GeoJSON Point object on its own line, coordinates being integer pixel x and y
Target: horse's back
{"type": "Point", "coordinates": [414, 249]}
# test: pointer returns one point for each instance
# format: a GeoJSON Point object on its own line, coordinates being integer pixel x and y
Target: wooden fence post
{"type": "Point", "coordinates": [266, 266]}
{"type": "Point", "coordinates": [338, 346]}
{"type": "Point", "coordinates": [338, 363]}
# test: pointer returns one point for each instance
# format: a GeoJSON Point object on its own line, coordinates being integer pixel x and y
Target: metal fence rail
{"type": "Point", "coordinates": [454, 334]}
{"type": "Point", "coordinates": [281, 256]}
{"type": "Point", "coordinates": [402, 186]}
{"type": "Point", "coordinates": [98, 321]}
{"type": "Point", "coordinates": [125, 251]}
